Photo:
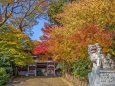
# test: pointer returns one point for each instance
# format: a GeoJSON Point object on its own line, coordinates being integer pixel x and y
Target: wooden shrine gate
{"type": "Point", "coordinates": [46, 68]}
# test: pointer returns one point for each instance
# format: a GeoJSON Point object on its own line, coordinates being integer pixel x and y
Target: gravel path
{"type": "Point", "coordinates": [38, 81]}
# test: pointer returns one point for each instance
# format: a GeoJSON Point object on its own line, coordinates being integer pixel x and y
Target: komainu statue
{"type": "Point", "coordinates": [103, 70]}
{"type": "Point", "coordinates": [98, 59]}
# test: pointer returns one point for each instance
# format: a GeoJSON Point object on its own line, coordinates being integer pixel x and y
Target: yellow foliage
{"type": "Point", "coordinates": [68, 48]}
{"type": "Point", "coordinates": [77, 15]}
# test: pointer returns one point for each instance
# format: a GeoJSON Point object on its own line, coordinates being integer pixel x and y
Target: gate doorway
{"type": "Point", "coordinates": [41, 69]}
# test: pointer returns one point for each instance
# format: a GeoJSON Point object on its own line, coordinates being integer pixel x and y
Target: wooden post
{"type": "Point", "coordinates": [33, 71]}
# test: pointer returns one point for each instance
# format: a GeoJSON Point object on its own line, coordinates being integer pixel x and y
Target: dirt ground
{"type": "Point", "coordinates": [38, 81]}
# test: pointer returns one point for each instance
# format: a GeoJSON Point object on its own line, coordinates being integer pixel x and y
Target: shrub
{"type": "Point", "coordinates": [5, 62]}
{"type": "Point", "coordinates": [5, 68]}
{"type": "Point", "coordinates": [81, 68]}
{"type": "Point", "coordinates": [4, 77]}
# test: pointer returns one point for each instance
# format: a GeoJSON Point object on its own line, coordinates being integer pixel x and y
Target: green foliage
{"type": "Point", "coordinates": [3, 76]}
{"type": "Point", "coordinates": [55, 7]}
{"type": "Point", "coordinates": [15, 49]}
{"type": "Point", "coordinates": [17, 44]}
{"type": "Point", "coordinates": [5, 68]}
{"type": "Point", "coordinates": [5, 62]}
{"type": "Point", "coordinates": [81, 68]}
{"type": "Point", "coordinates": [62, 66]}
{"type": "Point", "coordinates": [112, 26]}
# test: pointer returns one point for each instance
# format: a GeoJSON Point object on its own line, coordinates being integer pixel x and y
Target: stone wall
{"type": "Point", "coordinates": [75, 80]}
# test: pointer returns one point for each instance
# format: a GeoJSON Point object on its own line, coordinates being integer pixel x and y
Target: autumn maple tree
{"type": "Point", "coordinates": [42, 47]}
{"type": "Point", "coordinates": [68, 48]}
{"type": "Point", "coordinates": [79, 24]}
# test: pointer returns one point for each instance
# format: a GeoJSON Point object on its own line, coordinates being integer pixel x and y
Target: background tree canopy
{"type": "Point", "coordinates": [22, 14]}
{"type": "Point", "coordinates": [17, 44]}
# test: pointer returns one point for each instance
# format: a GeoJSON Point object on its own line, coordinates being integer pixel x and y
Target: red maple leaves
{"type": "Point", "coordinates": [42, 47]}
{"type": "Point", "coordinates": [39, 49]}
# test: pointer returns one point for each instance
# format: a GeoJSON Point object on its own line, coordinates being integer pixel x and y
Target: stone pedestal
{"type": "Point", "coordinates": [102, 77]}
{"type": "Point", "coordinates": [103, 73]}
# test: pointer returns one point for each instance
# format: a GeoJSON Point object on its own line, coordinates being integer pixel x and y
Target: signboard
{"type": "Point", "coordinates": [106, 78]}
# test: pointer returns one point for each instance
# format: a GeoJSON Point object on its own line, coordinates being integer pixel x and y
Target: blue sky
{"type": "Point", "coordinates": [37, 29]}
